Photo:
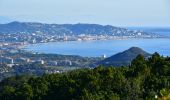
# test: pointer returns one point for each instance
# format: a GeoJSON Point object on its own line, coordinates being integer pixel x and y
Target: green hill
{"type": "Point", "coordinates": [124, 58]}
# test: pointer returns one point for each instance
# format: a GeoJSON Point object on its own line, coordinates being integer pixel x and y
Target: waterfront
{"type": "Point", "coordinates": [98, 48]}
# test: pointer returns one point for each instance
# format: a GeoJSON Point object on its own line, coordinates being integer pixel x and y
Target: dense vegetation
{"type": "Point", "coordinates": [144, 79]}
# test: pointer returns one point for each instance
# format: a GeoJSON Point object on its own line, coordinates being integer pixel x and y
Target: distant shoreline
{"type": "Point", "coordinates": [82, 48]}
{"type": "Point", "coordinates": [23, 46]}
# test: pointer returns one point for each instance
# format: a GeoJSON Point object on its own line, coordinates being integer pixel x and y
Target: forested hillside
{"type": "Point", "coordinates": [144, 79]}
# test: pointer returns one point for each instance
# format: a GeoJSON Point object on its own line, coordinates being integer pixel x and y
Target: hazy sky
{"type": "Point", "coordinates": [113, 12]}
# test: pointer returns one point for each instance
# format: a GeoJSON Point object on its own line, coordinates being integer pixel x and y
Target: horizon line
{"type": "Point", "coordinates": [125, 26]}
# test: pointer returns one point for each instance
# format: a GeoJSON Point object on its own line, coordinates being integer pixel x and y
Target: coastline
{"type": "Point", "coordinates": [77, 46]}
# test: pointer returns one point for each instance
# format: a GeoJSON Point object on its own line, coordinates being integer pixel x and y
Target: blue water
{"type": "Point", "coordinates": [98, 48]}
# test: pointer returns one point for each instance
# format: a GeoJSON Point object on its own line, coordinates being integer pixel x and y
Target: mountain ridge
{"type": "Point", "coordinates": [70, 29]}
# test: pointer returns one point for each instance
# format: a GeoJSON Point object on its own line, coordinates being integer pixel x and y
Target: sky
{"type": "Point", "coordinates": [105, 12]}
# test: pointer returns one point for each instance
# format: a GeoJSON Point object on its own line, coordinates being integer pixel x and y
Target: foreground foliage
{"type": "Point", "coordinates": [143, 79]}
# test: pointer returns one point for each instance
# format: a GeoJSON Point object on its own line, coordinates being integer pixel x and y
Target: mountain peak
{"type": "Point", "coordinates": [135, 50]}
{"type": "Point", "coordinates": [125, 57]}
{"type": "Point", "coordinates": [14, 22]}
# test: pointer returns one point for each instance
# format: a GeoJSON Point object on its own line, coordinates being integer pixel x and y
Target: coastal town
{"type": "Point", "coordinates": [17, 60]}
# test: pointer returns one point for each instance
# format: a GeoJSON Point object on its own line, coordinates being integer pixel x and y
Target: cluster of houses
{"type": "Point", "coordinates": [21, 60]}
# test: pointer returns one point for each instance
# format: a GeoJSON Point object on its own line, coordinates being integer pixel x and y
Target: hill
{"type": "Point", "coordinates": [70, 29]}
{"type": "Point", "coordinates": [124, 58]}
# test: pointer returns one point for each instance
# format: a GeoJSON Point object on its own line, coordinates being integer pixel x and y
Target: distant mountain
{"type": "Point", "coordinates": [69, 29]}
{"type": "Point", "coordinates": [124, 58]}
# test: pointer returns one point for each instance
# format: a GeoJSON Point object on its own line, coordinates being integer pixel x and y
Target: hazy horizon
{"type": "Point", "coordinates": [129, 13]}
{"type": "Point", "coordinates": [130, 27]}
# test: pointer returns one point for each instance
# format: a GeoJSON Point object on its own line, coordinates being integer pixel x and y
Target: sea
{"type": "Point", "coordinates": [106, 47]}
